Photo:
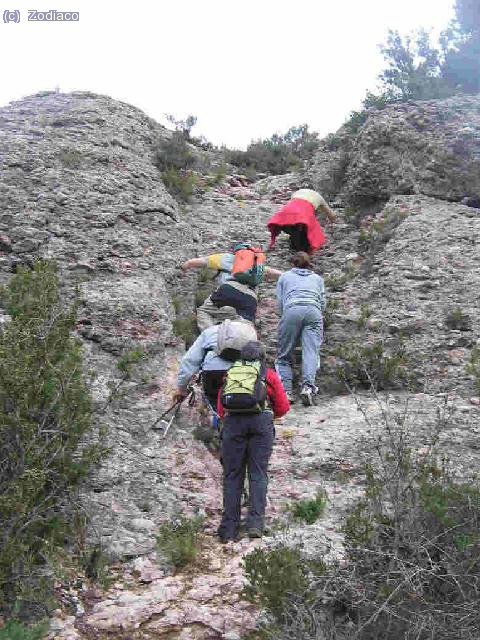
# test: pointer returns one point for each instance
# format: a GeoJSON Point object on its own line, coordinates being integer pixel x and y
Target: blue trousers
{"type": "Point", "coordinates": [303, 322]}
{"type": "Point", "coordinates": [247, 442]}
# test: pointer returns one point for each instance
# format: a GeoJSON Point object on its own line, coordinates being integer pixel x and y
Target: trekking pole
{"type": "Point", "coordinates": [176, 406]}
{"type": "Point", "coordinates": [170, 422]}
{"type": "Point", "coordinates": [165, 413]}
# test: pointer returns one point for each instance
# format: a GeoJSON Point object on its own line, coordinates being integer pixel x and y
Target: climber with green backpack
{"type": "Point", "coordinates": [239, 272]}
{"type": "Point", "coordinates": [248, 401]}
{"type": "Point", "coordinates": [212, 354]}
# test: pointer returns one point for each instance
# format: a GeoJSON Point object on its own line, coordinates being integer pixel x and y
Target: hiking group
{"type": "Point", "coordinates": [241, 394]}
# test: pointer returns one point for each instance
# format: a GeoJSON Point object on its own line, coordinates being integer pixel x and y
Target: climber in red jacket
{"type": "Point", "coordinates": [246, 443]}
{"type": "Point", "coordinates": [298, 219]}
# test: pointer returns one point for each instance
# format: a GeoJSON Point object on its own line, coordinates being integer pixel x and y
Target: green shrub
{"type": "Point", "coordinates": [310, 510]}
{"type": "Point", "coordinates": [337, 281]}
{"type": "Point", "coordinates": [458, 319]}
{"type": "Point", "coordinates": [129, 360]}
{"type": "Point", "coordinates": [186, 329]}
{"type": "Point", "coordinates": [174, 158]}
{"type": "Point", "coordinates": [173, 153]}
{"type": "Point", "coordinates": [205, 285]}
{"type": "Point", "coordinates": [177, 303]}
{"type": "Point", "coordinates": [71, 158]}
{"type": "Point", "coordinates": [45, 416]}
{"type": "Point", "coordinates": [350, 214]}
{"type": "Point", "coordinates": [206, 275]}
{"type": "Point", "coordinates": [328, 315]}
{"type": "Point", "coordinates": [356, 120]}
{"type": "Point", "coordinates": [411, 567]}
{"type": "Point", "coordinates": [183, 127]}
{"type": "Point", "coordinates": [217, 177]}
{"type": "Point", "coordinates": [14, 630]}
{"type": "Point", "coordinates": [365, 313]}
{"type": "Point", "coordinates": [363, 364]}
{"type": "Point", "coordinates": [201, 294]}
{"type": "Point", "coordinates": [128, 365]}
{"type": "Point", "coordinates": [96, 565]}
{"type": "Point", "coordinates": [373, 238]}
{"type": "Point", "coordinates": [332, 141]}
{"type": "Point", "coordinates": [273, 576]}
{"type": "Point", "coordinates": [179, 183]}
{"type": "Point", "coordinates": [358, 527]}
{"type": "Point", "coordinates": [414, 538]}
{"type": "Point", "coordinates": [276, 155]}
{"type": "Point", "coordinates": [178, 540]}
{"type": "Point", "coordinates": [473, 367]}
{"type": "Point", "coordinates": [259, 158]}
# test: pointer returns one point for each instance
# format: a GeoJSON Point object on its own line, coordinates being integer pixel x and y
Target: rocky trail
{"type": "Point", "coordinates": [318, 448]}
{"type": "Point", "coordinates": [204, 600]}
{"type": "Point", "coordinates": [313, 451]}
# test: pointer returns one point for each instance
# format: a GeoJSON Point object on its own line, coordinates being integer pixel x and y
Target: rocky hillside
{"type": "Point", "coordinates": [79, 185]}
{"type": "Point", "coordinates": [430, 148]}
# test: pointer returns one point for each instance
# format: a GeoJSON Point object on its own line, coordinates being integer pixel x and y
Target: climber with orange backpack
{"type": "Point", "coordinates": [239, 272]}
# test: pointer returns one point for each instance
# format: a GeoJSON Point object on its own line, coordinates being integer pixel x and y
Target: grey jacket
{"type": "Point", "coordinates": [201, 356]}
{"type": "Point", "coordinates": [300, 286]}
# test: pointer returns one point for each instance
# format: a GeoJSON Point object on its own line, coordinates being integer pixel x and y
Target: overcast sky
{"type": "Point", "coordinates": [245, 69]}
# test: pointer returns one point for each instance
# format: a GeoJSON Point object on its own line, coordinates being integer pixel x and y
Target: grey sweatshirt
{"type": "Point", "coordinates": [300, 286]}
{"type": "Point", "coordinates": [201, 355]}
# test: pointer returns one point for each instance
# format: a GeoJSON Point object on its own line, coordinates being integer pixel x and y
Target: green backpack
{"type": "Point", "coordinates": [245, 387]}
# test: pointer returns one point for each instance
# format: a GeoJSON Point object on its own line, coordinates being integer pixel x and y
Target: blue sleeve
{"type": "Point", "coordinates": [191, 362]}
{"type": "Point", "coordinates": [279, 291]}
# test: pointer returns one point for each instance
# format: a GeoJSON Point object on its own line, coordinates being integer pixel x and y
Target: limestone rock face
{"type": "Point", "coordinates": [418, 282]}
{"type": "Point", "coordinates": [79, 185]}
{"type": "Point", "coordinates": [430, 148]}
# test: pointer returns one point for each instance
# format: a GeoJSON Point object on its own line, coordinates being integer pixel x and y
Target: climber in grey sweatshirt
{"type": "Point", "coordinates": [202, 357]}
{"type": "Point", "coordinates": [301, 302]}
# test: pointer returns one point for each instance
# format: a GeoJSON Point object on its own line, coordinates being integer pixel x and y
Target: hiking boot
{"type": "Point", "coordinates": [291, 398]}
{"type": "Point", "coordinates": [253, 532]}
{"type": "Point", "coordinates": [225, 538]}
{"type": "Point", "coordinates": [307, 395]}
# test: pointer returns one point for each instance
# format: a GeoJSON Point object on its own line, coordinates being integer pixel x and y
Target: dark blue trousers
{"type": "Point", "coordinates": [247, 442]}
{"type": "Point", "coordinates": [244, 303]}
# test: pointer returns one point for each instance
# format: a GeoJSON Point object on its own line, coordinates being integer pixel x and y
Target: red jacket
{"type": "Point", "coordinates": [275, 392]}
{"type": "Point", "coordinates": [298, 212]}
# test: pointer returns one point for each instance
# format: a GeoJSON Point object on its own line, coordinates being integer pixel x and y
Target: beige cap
{"type": "Point", "coordinates": [310, 196]}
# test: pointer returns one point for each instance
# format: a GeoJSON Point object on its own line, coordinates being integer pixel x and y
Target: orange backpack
{"type": "Point", "coordinates": [248, 264]}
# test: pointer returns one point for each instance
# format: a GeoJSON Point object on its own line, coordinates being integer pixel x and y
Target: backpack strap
{"type": "Point", "coordinates": [263, 372]}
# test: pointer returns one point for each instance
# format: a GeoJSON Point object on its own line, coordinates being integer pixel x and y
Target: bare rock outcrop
{"type": "Point", "coordinates": [430, 148]}
{"type": "Point", "coordinates": [79, 185]}
{"type": "Point", "coordinates": [413, 283]}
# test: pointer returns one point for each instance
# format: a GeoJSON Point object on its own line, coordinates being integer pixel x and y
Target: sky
{"type": "Point", "coordinates": [245, 69]}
